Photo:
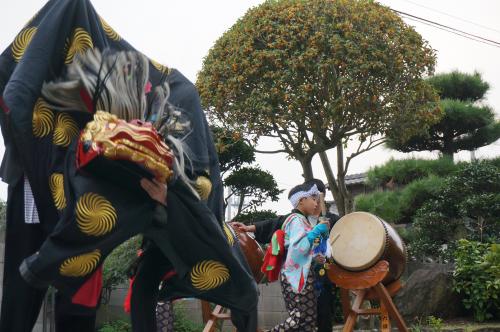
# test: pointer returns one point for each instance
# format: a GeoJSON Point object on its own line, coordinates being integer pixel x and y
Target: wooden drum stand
{"type": "Point", "coordinates": [367, 285]}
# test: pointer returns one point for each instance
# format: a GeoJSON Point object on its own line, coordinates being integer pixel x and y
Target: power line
{"type": "Point", "coordinates": [453, 32]}
{"type": "Point", "coordinates": [448, 28]}
{"type": "Point", "coordinates": [453, 16]}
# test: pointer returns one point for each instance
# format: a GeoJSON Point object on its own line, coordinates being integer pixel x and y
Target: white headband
{"type": "Point", "coordinates": [295, 198]}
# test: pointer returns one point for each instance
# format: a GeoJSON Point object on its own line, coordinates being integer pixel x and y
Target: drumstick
{"type": "Point", "coordinates": [322, 204]}
{"type": "Point", "coordinates": [335, 238]}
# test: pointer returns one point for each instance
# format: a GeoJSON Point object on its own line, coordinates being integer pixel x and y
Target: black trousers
{"type": "Point", "coordinates": [145, 289]}
{"type": "Point", "coordinates": [325, 306]}
{"type": "Point", "coordinates": [21, 303]}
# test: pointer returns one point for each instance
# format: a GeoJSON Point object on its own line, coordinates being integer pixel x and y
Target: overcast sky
{"type": "Point", "coordinates": [180, 33]}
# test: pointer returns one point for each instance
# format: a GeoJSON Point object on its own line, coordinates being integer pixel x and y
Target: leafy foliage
{"type": "Point", "coordinates": [328, 66]}
{"type": "Point", "coordinates": [253, 186]}
{"type": "Point", "coordinates": [116, 264]}
{"type": "Point", "coordinates": [232, 150]}
{"type": "Point", "coordinates": [316, 74]}
{"type": "Point", "coordinates": [399, 206]}
{"type": "Point", "coordinates": [116, 326]}
{"type": "Point", "coordinates": [404, 171]}
{"type": "Point", "coordinates": [467, 206]}
{"type": "Point", "coordinates": [254, 216]}
{"type": "Point", "coordinates": [459, 86]}
{"type": "Point", "coordinates": [415, 194]}
{"type": "Point", "coordinates": [477, 277]}
{"type": "Point", "coordinates": [384, 204]}
{"type": "Point", "coordinates": [182, 321]}
{"type": "Point", "coordinates": [464, 126]}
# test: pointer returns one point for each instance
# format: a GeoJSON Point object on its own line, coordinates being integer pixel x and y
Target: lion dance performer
{"type": "Point", "coordinates": [67, 210]}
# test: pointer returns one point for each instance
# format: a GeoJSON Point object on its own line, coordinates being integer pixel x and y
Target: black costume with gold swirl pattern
{"type": "Point", "coordinates": [40, 144]}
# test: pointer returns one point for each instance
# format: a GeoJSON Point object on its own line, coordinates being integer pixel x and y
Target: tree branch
{"type": "Point", "coordinates": [274, 151]}
{"type": "Point", "coordinates": [371, 145]}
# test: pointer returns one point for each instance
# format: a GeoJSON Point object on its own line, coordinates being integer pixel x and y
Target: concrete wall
{"type": "Point", "coordinates": [271, 307]}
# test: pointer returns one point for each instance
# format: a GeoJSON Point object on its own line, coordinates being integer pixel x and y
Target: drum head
{"type": "Point", "coordinates": [357, 241]}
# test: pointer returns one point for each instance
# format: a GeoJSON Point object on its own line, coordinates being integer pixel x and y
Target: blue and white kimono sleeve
{"type": "Point", "coordinates": [299, 252]}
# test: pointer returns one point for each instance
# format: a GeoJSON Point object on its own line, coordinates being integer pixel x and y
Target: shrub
{"type": "Point", "coordinates": [182, 323]}
{"type": "Point", "coordinates": [399, 206]}
{"type": "Point", "coordinates": [466, 206]}
{"type": "Point", "coordinates": [384, 204]}
{"type": "Point", "coordinates": [402, 172]}
{"type": "Point", "coordinates": [117, 263]}
{"type": "Point", "coordinates": [116, 326]}
{"type": "Point", "coordinates": [415, 194]}
{"type": "Point", "coordinates": [477, 277]}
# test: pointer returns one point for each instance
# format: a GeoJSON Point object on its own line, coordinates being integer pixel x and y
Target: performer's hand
{"type": "Point", "coordinates": [324, 220]}
{"type": "Point", "coordinates": [242, 227]}
{"type": "Point", "coordinates": [320, 259]}
{"type": "Point", "coordinates": [156, 190]}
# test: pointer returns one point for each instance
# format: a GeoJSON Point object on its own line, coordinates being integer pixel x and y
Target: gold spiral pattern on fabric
{"type": "Point", "coordinates": [95, 215]}
{"type": "Point", "coordinates": [81, 265]}
{"type": "Point", "coordinates": [43, 119]}
{"type": "Point", "coordinates": [208, 275]}
{"type": "Point", "coordinates": [161, 68]}
{"type": "Point", "coordinates": [229, 234]}
{"type": "Point", "coordinates": [80, 42]}
{"type": "Point", "coordinates": [56, 185]}
{"type": "Point", "coordinates": [21, 42]}
{"type": "Point", "coordinates": [203, 186]}
{"type": "Point", "coordinates": [110, 32]}
{"type": "Point", "coordinates": [65, 130]}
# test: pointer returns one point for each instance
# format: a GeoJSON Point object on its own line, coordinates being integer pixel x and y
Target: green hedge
{"type": "Point", "coordinates": [415, 194]}
{"type": "Point", "coordinates": [404, 171]}
{"type": "Point", "coordinates": [467, 206]}
{"type": "Point", "coordinates": [399, 206]}
{"type": "Point", "coordinates": [182, 322]}
{"type": "Point", "coordinates": [385, 204]}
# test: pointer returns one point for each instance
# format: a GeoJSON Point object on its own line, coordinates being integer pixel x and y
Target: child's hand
{"type": "Point", "coordinates": [323, 220]}
{"type": "Point", "coordinates": [320, 259]}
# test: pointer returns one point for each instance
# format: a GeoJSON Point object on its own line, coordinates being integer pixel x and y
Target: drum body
{"type": "Point", "coordinates": [360, 239]}
{"type": "Point", "coordinates": [253, 252]}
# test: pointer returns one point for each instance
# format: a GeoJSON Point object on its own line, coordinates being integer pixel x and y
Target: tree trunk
{"type": "Point", "coordinates": [240, 205]}
{"type": "Point", "coordinates": [447, 154]}
{"type": "Point", "coordinates": [332, 182]}
{"type": "Point", "coordinates": [346, 195]}
{"type": "Point", "coordinates": [448, 149]}
{"type": "Point", "coordinates": [307, 170]}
